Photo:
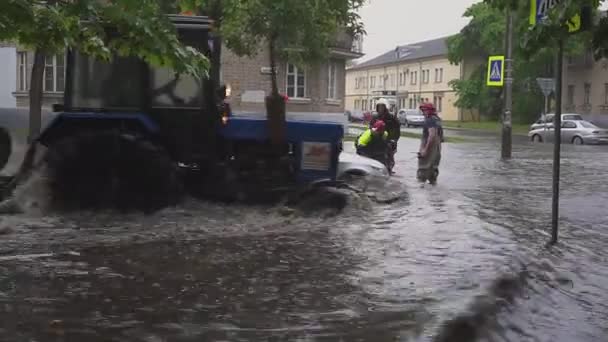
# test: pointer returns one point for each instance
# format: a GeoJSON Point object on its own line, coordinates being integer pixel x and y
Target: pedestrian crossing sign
{"type": "Point", "coordinates": [496, 71]}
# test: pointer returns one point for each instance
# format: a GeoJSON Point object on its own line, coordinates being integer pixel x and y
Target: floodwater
{"type": "Point", "coordinates": [461, 261]}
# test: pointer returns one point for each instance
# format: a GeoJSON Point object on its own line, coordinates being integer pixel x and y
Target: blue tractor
{"type": "Point", "coordinates": [136, 136]}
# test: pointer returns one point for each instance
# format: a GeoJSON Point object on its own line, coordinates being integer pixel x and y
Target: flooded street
{"type": "Point", "coordinates": [461, 261]}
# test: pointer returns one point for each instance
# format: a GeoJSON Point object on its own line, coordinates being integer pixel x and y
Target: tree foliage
{"type": "Point", "coordinates": [533, 52]}
{"type": "Point", "coordinates": [142, 30]}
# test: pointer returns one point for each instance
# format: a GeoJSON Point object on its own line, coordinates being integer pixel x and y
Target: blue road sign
{"type": "Point", "coordinates": [496, 71]}
{"type": "Point", "coordinates": [539, 10]}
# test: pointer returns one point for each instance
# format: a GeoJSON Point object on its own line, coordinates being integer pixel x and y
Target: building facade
{"type": "Point", "coordinates": [585, 85]}
{"type": "Point", "coordinates": [316, 88]}
{"type": "Point", "coordinates": [408, 76]}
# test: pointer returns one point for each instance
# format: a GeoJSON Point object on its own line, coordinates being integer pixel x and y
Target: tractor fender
{"type": "Point", "coordinates": [70, 124]}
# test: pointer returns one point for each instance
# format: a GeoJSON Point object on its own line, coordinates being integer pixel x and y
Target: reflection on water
{"type": "Point", "coordinates": [461, 261]}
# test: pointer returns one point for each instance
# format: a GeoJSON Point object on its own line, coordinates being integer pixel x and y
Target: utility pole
{"type": "Point", "coordinates": [557, 126]}
{"type": "Point", "coordinates": [507, 139]}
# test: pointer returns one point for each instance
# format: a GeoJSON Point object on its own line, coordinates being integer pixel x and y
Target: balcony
{"type": "Point", "coordinates": [347, 46]}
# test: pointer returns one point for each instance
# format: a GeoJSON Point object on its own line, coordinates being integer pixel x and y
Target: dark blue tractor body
{"type": "Point", "coordinates": [132, 133]}
{"type": "Point", "coordinates": [314, 145]}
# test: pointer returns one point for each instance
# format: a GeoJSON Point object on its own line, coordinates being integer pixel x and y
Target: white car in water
{"type": "Point", "coordinates": [351, 164]}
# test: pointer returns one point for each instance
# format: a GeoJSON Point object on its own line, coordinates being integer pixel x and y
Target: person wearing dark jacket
{"type": "Point", "coordinates": [393, 128]}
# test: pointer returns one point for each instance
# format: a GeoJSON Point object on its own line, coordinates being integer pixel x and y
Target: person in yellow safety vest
{"type": "Point", "coordinates": [373, 143]}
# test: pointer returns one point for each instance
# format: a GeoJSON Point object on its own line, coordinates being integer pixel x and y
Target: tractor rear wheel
{"type": "Point", "coordinates": [111, 170]}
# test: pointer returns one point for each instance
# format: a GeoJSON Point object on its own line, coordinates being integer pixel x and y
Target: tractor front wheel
{"type": "Point", "coordinates": [111, 170]}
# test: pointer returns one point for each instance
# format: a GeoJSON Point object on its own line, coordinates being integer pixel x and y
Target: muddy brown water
{"type": "Point", "coordinates": [461, 261]}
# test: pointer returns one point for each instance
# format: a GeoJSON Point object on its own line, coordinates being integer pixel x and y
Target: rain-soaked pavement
{"type": "Point", "coordinates": [461, 261]}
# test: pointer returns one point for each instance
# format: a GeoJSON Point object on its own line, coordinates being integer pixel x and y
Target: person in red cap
{"type": "Point", "coordinates": [373, 143]}
{"type": "Point", "coordinates": [429, 155]}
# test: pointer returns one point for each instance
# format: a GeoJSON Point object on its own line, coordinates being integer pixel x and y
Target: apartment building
{"type": "Point", "coordinates": [318, 88]}
{"type": "Point", "coordinates": [585, 85]}
{"type": "Point", "coordinates": [408, 75]}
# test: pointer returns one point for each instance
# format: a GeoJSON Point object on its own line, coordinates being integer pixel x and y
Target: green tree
{"type": "Point", "coordinates": [297, 30]}
{"type": "Point", "coordinates": [51, 26]}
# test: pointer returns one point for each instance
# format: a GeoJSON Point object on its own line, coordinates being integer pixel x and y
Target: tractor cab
{"type": "Point", "coordinates": [150, 120]}
{"type": "Point", "coordinates": [177, 111]}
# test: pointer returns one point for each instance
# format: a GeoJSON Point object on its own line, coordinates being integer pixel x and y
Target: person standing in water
{"type": "Point", "coordinates": [429, 154]}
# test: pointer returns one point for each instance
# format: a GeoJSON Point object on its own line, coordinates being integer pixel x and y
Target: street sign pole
{"type": "Point", "coordinates": [547, 86]}
{"type": "Point", "coordinates": [557, 123]}
{"type": "Point", "coordinates": [507, 126]}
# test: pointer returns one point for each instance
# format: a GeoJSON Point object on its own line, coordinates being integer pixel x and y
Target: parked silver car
{"type": "Point", "coordinates": [410, 117]}
{"type": "Point", "coordinates": [548, 119]}
{"type": "Point", "coordinates": [577, 132]}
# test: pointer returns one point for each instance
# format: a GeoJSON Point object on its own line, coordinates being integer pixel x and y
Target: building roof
{"type": "Point", "coordinates": [426, 49]}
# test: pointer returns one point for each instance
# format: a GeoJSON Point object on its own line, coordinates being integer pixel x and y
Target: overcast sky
{"type": "Point", "coordinates": [398, 22]}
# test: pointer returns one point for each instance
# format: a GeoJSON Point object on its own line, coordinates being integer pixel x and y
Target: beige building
{"type": "Point", "coordinates": [585, 85]}
{"type": "Point", "coordinates": [311, 89]}
{"type": "Point", "coordinates": [408, 75]}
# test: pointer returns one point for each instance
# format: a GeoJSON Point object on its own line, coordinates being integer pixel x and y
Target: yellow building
{"type": "Point", "coordinates": [407, 76]}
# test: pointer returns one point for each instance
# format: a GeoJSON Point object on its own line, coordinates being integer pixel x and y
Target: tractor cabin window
{"type": "Point", "coordinates": [296, 82]}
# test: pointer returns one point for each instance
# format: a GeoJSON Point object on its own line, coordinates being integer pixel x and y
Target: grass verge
{"type": "Point", "coordinates": [489, 126]}
{"type": "Point", "coordinates": [352, 138]}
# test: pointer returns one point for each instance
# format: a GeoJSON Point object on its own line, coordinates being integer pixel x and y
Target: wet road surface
{"type": "Point", "coordinates": [461, 261]}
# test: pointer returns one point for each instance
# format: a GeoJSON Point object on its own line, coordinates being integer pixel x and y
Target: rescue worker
{"type": "Point", "coordinates": [429, 155]}
{"type": "Point", "coordinates": [373, 143]}
{"type": "Point", "coordinates": [393, 127]}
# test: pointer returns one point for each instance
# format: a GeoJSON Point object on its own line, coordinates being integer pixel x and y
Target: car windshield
{"type": "Point", "coordinates": [587, 124]}
{"type": "Point", "coordinates": [574, 117]}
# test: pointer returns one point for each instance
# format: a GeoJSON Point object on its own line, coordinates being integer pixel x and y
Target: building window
{"type": "Point", "coordinates": [438, 75]}
{"type": "Point", "coordinates": [438, 102]}
{"type": "Point", "coordinates": [373, 82]}
{"type": "Point", "coordinates": [332, 79]}
{"type": "Point", "coordinates": [426, 75]}
{"type": "Point", "coordinates": [22, 77]}
{"type": "Point", "coordinates": [54, 73]}
{"type": "Point", "coordinates": [587, 99]}
{"type": "Point", "coordinates": [606, 93]}
{"type": "Point", "coordinates": [414, 78]}
{"type": "Point", "coordinates": [392, 80]}
{"type": "Point", "coordinates": [570, 95]}
{"type": "Point", "coordinates": [296, 82]}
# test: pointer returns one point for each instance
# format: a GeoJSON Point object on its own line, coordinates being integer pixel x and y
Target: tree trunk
{"type": "Point", "coordinates": [273, 72]}
{"type": "Point", "coordinates": [35, 124]}
{"type": "Point", "coordinates": [275, 107]}
{"type": "Point", "coordinates": [36, 96]}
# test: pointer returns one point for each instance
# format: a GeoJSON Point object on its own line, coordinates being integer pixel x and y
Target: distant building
{"type": "Point", "coordinates": [585, 85]}
{"type": "Point", "coordinates": [409, 75]}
